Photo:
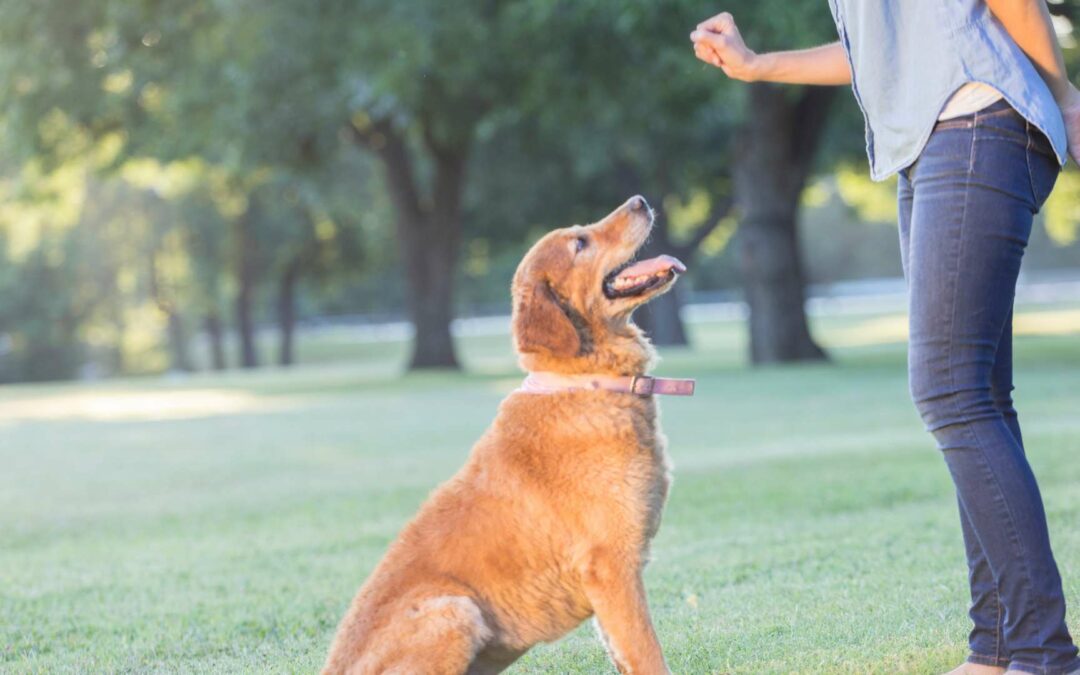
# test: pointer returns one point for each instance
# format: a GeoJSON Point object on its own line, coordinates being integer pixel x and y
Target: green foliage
{"type": "Point", "coordinates": [872, 201]}
{"type": "Point", "coordinates": [176, 115]}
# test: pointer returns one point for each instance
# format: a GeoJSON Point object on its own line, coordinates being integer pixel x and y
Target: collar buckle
{"type": "Point", "coordinates": [648, 382]}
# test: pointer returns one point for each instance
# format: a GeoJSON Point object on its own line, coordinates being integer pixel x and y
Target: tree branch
{"type": "Point", "coordinates": [382, 139]}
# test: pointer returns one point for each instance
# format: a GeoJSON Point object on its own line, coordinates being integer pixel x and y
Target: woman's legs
{"type": "Point", "coordinates": [986, 641]}
{"type": "Point", "coordinates": [969, 204]}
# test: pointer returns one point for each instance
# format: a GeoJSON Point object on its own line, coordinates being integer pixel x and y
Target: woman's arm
{"type": "Point", "coordinates": [717, 42]}
{"type": "Point", "coordinates": [1029, 25]}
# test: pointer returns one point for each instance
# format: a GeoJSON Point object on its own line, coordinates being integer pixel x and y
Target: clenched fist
{"type": "Point", "coordinates": [717, 42]}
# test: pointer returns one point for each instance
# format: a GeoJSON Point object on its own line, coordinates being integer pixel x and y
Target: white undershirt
{"type": "Point", "coordinates": [972, 97]}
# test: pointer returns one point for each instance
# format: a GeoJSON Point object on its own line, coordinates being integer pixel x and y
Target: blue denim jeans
{"type": "Point", "coordinates": [966, 210]}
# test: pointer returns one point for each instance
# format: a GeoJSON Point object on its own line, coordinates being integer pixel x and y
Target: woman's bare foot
{"type": "Point", "coordinates": [976, 669]}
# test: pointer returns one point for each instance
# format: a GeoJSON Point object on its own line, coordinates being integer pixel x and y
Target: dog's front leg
{"type": "Point", "coordinates": [614, 588]}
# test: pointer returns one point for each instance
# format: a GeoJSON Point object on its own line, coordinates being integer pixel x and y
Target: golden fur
{"type": "Point", "coordinates": [549, 521]}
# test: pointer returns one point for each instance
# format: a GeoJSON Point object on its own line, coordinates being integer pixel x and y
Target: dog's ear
{"type": "Point", "coordinates": [541, 323]}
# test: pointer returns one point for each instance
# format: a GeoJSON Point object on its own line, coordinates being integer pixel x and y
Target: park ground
{"type": "Point", "coordinates": [221, 523]}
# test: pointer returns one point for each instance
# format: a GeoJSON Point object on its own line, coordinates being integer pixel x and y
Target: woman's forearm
{"type": "Point", "coordinates": [1029, 25]}
{"type": "Point", "coordinates": [824, 65]}
{"type": "Point", "coordinates": [717, 41]}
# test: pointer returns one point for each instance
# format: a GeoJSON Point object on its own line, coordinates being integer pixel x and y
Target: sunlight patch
{"type": "Point", "coordinates": [893, 328]}
{"type": "Point", "coordinates": [133, 406]}
{"type": "Point", "coordinates": [878, 331]}
{"type": "Point", "coordinates": [1062, 322]}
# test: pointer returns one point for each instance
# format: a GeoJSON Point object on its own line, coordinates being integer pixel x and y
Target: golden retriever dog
{"type": "Point", "coordinates": [550, 519]}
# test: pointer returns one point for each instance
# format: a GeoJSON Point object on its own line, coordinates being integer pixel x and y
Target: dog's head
{"type": "Point", "coordinates": [575, 290]}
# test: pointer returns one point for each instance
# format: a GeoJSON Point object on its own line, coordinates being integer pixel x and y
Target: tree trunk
{"type": "Point", "coordinates": [246, 281]}
{"type": "Point", "coordinates": [774, 153]}
{"type": "Point", "coordinates": [178, 343]}
{"type": "Point", "coordinates": [430, 271]}
{"type": "Point", "coordinates": [431, 250]}
{"type": "Point", "coordinates": [287, 313]}
{"type": "Point", "coordinates": [216, 335]}
{"type": "Point", "coordinates": [119, 360]}
{"type": "Point", "coordinates": [429, 234]}
{"type": "Point", "coordinates": [180, 355]}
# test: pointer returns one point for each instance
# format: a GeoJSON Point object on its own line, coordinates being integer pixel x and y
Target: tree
{"type": "Point", "coordinates": [617, 106]}
{"type": "Point", "coordinates": [775, 151]}
{"type": "Point", "coordinates": [776, 148]}
{"type": "Point", "coordinates": [633, 111]}
{"type": "Point", "coordinates": [78, 259]}
{"type": "Point", "coordinates": [437, 95]}
{"type": "Point", "coordinates": [418, 111]}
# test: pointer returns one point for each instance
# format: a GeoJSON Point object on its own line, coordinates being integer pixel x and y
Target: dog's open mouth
{"type": "Point", "coordinates": [633, 279]}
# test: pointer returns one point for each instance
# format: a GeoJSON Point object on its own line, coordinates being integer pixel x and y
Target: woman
{"type": "Point", "coordinates": [969, 102]}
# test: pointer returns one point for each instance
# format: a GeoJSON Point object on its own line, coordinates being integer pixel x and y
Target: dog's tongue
{"type": "Point", "coordinates": [653, 266]}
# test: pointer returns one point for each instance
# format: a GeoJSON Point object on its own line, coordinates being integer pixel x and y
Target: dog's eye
{"type": "Point", "coordinates": [580, 244]}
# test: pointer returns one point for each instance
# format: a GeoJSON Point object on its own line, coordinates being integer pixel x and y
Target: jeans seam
{"type": "Point", "coordinates": [997, 624]}
{"type": "Point", "coordinates": [987, 660]}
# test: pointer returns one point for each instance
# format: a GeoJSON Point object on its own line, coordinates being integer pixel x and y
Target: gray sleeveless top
{"type": "Point", "coordinates": [909, 56]}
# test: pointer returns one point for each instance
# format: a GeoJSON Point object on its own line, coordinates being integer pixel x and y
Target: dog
{"type": "Point", "coordinates": [550, 519]}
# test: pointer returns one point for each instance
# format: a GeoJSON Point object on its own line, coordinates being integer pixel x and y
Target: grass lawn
{"type": "Point", "coordinates": [223, 523]}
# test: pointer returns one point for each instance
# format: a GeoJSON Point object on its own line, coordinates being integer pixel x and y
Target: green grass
{"type": "Point", "coordinates": [222, 523]}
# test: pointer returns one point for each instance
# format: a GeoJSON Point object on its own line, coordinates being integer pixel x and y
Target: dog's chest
{"type": "Point", "coordinates": [640, 472]}
{"type": "Point", "coordinates": [598, 460]}
{"type": "Point", "coordinates": [644, 459]}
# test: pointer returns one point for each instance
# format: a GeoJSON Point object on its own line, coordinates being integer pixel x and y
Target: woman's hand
{"type": "Point", "coordinates": [717, 42]}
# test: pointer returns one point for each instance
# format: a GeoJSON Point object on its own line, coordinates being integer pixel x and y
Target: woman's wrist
{"type": "Point", "coordinates": [758, 67]}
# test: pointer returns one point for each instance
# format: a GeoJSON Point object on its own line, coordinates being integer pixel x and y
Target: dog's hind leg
{"type": "Point", "coordinates": [433, 635]}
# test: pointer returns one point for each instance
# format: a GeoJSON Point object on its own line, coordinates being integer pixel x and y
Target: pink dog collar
{"type": "Point", "coordinates": [641, 385]}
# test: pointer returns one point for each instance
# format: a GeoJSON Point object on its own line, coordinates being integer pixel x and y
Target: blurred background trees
{"type": "Point", "coordinates": [182, 176]}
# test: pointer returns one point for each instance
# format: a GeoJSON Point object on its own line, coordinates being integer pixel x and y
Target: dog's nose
{"type": "Point", "coordinates": [638, 203]}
